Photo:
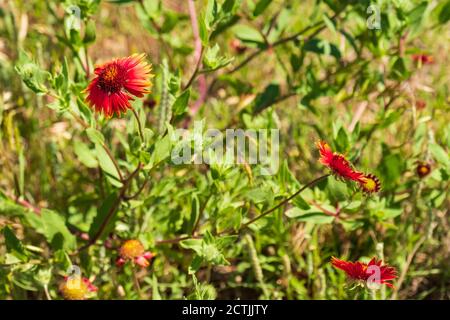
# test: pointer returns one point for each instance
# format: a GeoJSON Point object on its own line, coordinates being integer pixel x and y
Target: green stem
{"type": "Point", "coordinates": [306, 186]}
{"type": "Point", "coordinates": [141, 134]}
{"type": "Point", "coordinates": [137, 286]}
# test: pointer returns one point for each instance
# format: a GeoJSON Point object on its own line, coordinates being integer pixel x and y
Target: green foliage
{"type": "Point", "coordinates": [74, 185]}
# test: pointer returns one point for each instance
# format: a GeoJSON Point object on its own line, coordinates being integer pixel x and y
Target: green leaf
{"type": "Point", "coordinates": [107, 166]}
{"type": "Point", "coordinates": [44, 276]}
{"type": "Point", "coordinates": [211, 12]}
{"type": "Point", "coordinates": [299, 202]}
{"type": "Point", "coordinates": [228, 6]}
{"type": "Point", "coordinates": [162, 150]}
{"type": "Point", "coordinates": [85, 155]}
{"type": "Point", "coordinates": [56, 232]}
{"type": "Point", "coordinates": [399, 70]}
{"type": "Point", "coordinates": [322, 47]}
{"type": "Point", "coordinates": [389, 213]}
{"type": "Point", "coordinates": [248, 34]}
{"type": "Point", "coordinates": [195, 212]}
{"type": "Point", "coordinates": [329, 23]}
{"type": "Point", "coordinates": [89, 34]}
{"type": "Point", "coordinates": [102, 213]}
{"type": "Point", "coordinates": [193, 244]}
{"type": "Point", "coordinates": [444, 12]}
{"type": "Point", "coordinates": [213, 61]}
{"type": "Point", "coordinates": [32, 75]}
{"type": "Point", "coordinates": [203, 31]}
{"type": "Point", "coordinates": [180, 105]}
{"type": "Point", "coordinates": [313, 217]}
{"type": "Point", "coordinates": [342, 140]}
{"type": "Point", "coordinates": [95, 136]}
{"type": "Point", "coordinates": [266, 98]}
{"type": "Point", "coordinates": [13, 245]}
{"type": "Point", "coordinates": [416, 15]}
{"type": "Point", "coordinates": [261, 6]}
{"type": "Point", "coordinates": [439, 154]}
{"type": "Point", "coordinates": [195, 264]}
{"type": "Point", "coordinates": [259, 195]}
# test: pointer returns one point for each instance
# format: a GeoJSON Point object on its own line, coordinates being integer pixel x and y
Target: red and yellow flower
{"type": "Point", "coordinates": [116, 82]}
{"type": "Point", "coordinates": [362, 273]}
{"type": "Point", "coordinates": [133, 250]}
{"type": "Point", "coordinates": [338, 164]}
{"type": "Point", "coordinates": [76, 288]}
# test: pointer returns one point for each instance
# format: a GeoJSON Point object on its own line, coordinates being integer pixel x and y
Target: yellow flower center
{"type": "Point", "coordinates": [110, 74]}
{"type": "Point", "coordinates": [370, 184]}
{"type": "Point", "coordinates": [111, 78]}
{"type": "Point", "coordinates": [74, 289]}
{"type": "Point", "coordinates": [423, 170]}
{"type": "Point", "coordinates": [131, 249]}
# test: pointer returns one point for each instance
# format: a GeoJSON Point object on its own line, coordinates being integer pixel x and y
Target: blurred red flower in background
{"type": "Point", "coordinates": [133, 250]}
{"type": "Point", "coordinates": [423, 169]}
{"type": "Point", "coordinates": [423, 58]}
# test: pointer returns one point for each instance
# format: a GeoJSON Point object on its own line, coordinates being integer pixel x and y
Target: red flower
{"type": "Point", "coordinates": [423, 58]}
{"type": "Point", "coordinates": [337, 163]}
{"type": "Point", "coordinates": [373, 271]}
{"type": "Point", "coordinates": [116, 82]}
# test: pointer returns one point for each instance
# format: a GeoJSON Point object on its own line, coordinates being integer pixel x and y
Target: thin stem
{"type": "Point", "coordinates": [198, 53]}
{"type": "Point", "coordinates": [245, 225]}
{"type": "Point", "coordinates": [141, 188]}
{"type": "Point", "coordinates": [195, 73]}
{"type": "Point", "coordinates": [116, 165]}
{"type": "Point", "coordinates": [104, 146]}
{"type": "Point", "coordinates": [136, 281]}
{"type": "Point", "coordinates": [197, 223]}
{"type": "Point", "coordinates": [86, 56]}
{"type": "Point", "coordinates": [141, 133]}
{"type": "Point", "coordinates": [409, 260]}
{"type": "Point", "coordinates": [112, 210]}
{"type": "Point", "coordinates": [24, 203]}
{"type": "Point", "coordinates": [47, 294]}
{"type": "Point", "coordinates": [174, 240]}
{"type": "Point", "coordinates": [282, 203]}
{"type": "Point", "coordinates": [275, 44]}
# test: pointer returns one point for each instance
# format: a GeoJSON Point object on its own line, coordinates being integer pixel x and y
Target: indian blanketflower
{"type": "Point", "coordinates": [76, 288]}
{"type": "Point", "coordinates": [116, 82]}
{"type": "Point", "coordinates": [133, 250]}
{"type": "Point", "coordinates": [338, 164]}
{"type": "Point", "coordinates": [362, 273]}
{"type": "Point", "coordinates": [342, 168]}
